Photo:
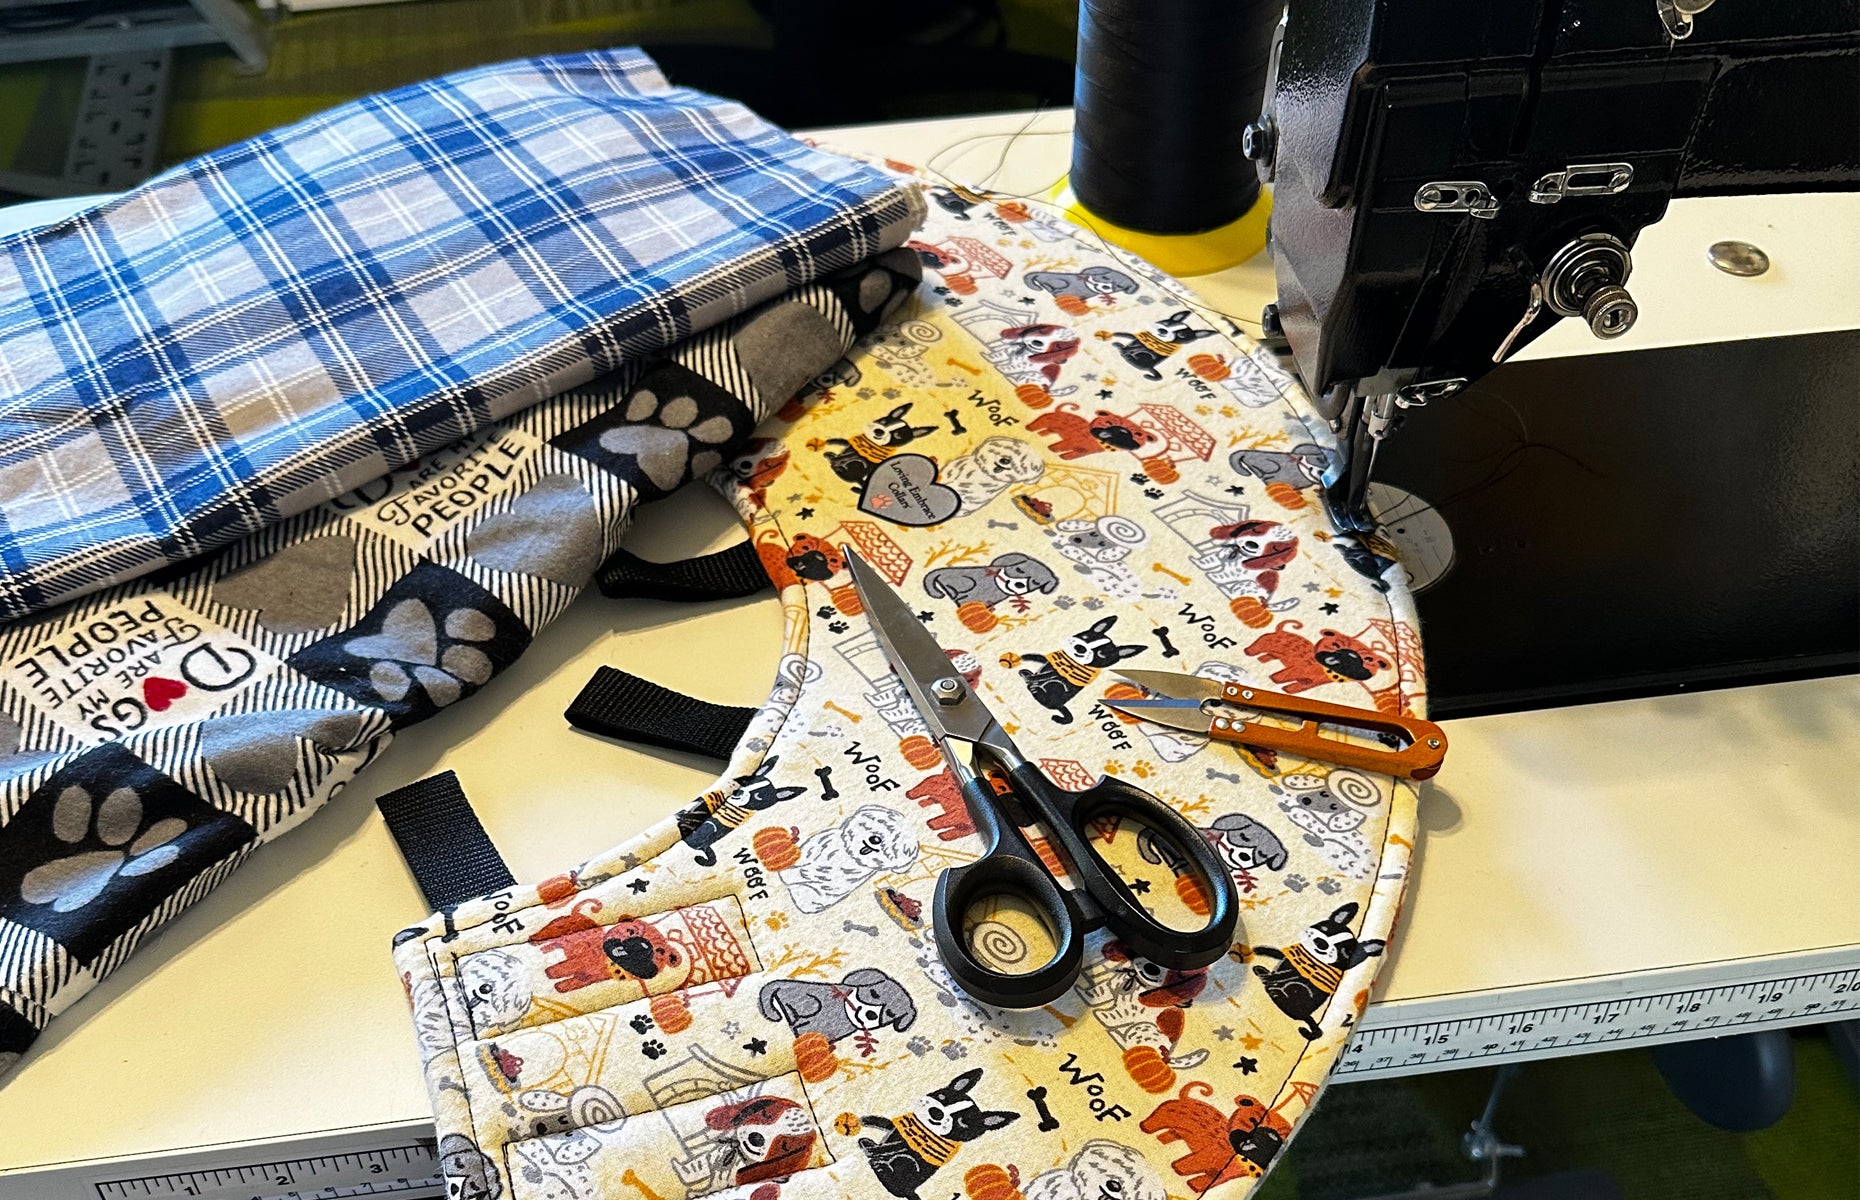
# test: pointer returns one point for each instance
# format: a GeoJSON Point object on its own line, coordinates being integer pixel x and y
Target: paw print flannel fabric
{"type": "Point", "coordinates": [152, 735]}
{"type": "Point", "coordinates": [1067, 464]}
{"type": "Point", "coordinates": [280, 322]}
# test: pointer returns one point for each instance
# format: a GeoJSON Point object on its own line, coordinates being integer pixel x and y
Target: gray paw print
{"type": "Point", "coordinates": [1329, 886]}
{"type": "Point", "coordinates": [955, 1050]}
{"type": "Point", "coordinates": [681, 439]}
{"type": "Point", "coordinates": [1092, 603]}
{"type": "Point", "coordinates": [75, 880]}
{"type": "Point", "coordinates": [1296, 883]}
{"type": "Point", "coordinates": [407, 652]}
{"type": "Point", "coordinates": [919, 1046]}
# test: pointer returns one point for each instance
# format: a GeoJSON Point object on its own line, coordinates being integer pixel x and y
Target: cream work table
{"type": "Point", "coordinates": [1587, 876]}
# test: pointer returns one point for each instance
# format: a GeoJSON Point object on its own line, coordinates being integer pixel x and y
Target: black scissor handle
{"type": "Point", "coordinates": [1066, 813]}
{"type": "Point", "coordinates": [1009, 867]}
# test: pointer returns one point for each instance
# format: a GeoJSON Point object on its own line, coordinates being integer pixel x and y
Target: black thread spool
{"type": "Point", "coordinates": [1164, 90]}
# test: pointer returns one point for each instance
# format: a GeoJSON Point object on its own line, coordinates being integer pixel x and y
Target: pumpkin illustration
{"type": "Point", "coordinates": [814, 1057]}
{"type": "Point", "coordinates": [1033, 395]}
{"type": "Point", "coordinates": [1161, 468]}
{"type": "Point", "coordinates": [1072, 305]}
{"type": "Point", "coordinates": [1285, 494]}
{"type": "Point", "coordinates": [1193, 898]}
{"type": "Point", "coordinates": [1048, 856]}
{"type": "Point", "coordinates": [1124, 691]}
{"type": "Point", "coordinates": [1210, 367]}
{"type": "Point", "coordinates": [989, 1182]}
{"type": "Point", "coordinates": [976, 616]}
{"type": "Point", "coordinates": [919, 751]}
{"type": "Point", "coordinates": [1252, 611]}
{"type": "Point", "coordinates": [1013, 210]}
{"type": "Point", "coordinates": [1150, 1069]}
{"type": "Point", "coordinates": [846, 599]}
{"type": "Point", "coordinates": [962, 283]}
{"type": "Point", "coordinates": [777, 849]}
{"type": "Point", "coordinates": [670, 1012]}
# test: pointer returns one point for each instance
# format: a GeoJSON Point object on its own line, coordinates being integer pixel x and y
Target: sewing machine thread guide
{"type": "Point", "coordinates": [410, 1172]}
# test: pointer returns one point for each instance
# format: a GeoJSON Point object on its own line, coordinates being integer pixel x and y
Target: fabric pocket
{"type": "Point", "coordinates": [577, 963]}
{"type": "Point", "coordinates": [735, 1139]}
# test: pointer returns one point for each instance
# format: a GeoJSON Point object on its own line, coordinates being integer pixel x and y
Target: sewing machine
{"type": "Point", "coordinates": [1449, 182]}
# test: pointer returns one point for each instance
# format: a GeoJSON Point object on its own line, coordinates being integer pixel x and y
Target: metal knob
{"type": "Point", "coordinates": [1610, 311]}
{"type": "Point", "coordinates": [947, 690]}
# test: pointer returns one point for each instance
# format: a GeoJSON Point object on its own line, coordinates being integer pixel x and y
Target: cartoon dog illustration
{"type": "Point", "coordinates": [918, 1143]}
{"type": "Point", "coordinates": [836, 862]}
{"type": "Point", "coordinates": [1092, 283]}
{"type": "Point", "coordinates": [496, 988]}
{"type": "Point", "coordinates": [1140, 1004]}
{"type": "Point", "coordinates": [1303, 664]}
{"type": "Point", "coordinates": [1286, 473]}
{"type": "Point", "coordinates": [864, 1002]}
{"type": "Point", "coordinates": [1148, 347]}
{"type": "Point", "coordinates": [1098, 549]}
{"type": "Point", "coordinates": [759, 464]}
{"type": "Point", "coordinates": [767, 1137]}
{"type": "Point", "coordinates": [1245, 844]}
{"type": "Point", "coordinates": [955, 200]}
{"type": "Point", "coordinates": [1309, 973]}
{"type": "Point", "coordinates": [1221, 1146]}
{"type": "Point", "coordinates": [1074, 436]}
{"type": "Point", "coordinates": [470, 1173]}
{"type": "Point", "coordinates": [560, 1136]}
{"type": "Point", "coordinates": [1064, 673]}
{"type": "Point", "coordinates": [626, 950]}
{"type": "Point", "coordinates": [852, 459]}
{"type": "Point", "coordinates": [1331, 809]}
{"type": "Point", "coordinates": [1008, 577]}
{"type": "Point", "coordinates": [1101, 1170]}
{"type": "Point", "coordinates": [703, 824]}
{"type": "Point", "coordinates": [1368, 556]}
{"type": "Point", "coordinates": [993, 467]}
{"type": "Point", "coordinates": [1033, 354]}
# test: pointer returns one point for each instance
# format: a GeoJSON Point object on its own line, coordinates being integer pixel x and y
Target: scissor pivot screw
{"type": "Point", "coordinates": [1433, 743]}
{"type": "Point", "coordinates": [947, 690]}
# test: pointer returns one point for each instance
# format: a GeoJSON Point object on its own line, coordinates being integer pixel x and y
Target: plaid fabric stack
{"type": "Point", "coordinates": [340, 321]}
{"type": "Point", "coordinates": [277, 323]}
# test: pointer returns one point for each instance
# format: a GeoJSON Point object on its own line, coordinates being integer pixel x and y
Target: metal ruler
{"type": "Point", "coordinates": [1586, 1016]}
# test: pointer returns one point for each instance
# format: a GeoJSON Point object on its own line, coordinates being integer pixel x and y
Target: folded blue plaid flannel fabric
{"type": "Point", "coordinates": [279, 322]}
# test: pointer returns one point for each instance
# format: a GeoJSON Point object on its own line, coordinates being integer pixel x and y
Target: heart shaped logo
{"type": "Point", "coordinates": [159, 692]}
{"type": "Point", "coordinates": [904, 490]}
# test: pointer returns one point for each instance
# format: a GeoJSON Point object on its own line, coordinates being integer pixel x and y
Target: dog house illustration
{"type": "Point", "coordinates": [1239, 376]}
{"type": "Point", "coordinates": [1066, 491]}
{"type": "Point", "coordinates": [1403, 646]}
{"type": "Point", "coordinates": [960, 259]}
{"type": "Point", "coordinates": [1182, 441]}
{"type": "Point", "coordinates": [887, 695]}
{"type": "Point", "coordinates": [697, 1075]}
{"type": "Point", "coordinates": [1193, 518]}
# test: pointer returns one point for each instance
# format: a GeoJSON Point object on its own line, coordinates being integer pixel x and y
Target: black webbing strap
{"type": "Point", "coordinates": [439, 835]}
{"type": "Point", "coordinates": [618, 705]}
{"type": "Point", "coordinates": [723, 575]}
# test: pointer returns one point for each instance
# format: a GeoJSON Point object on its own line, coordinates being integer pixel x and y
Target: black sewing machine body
{"type": "Point", "coordinates": [1449, 179]}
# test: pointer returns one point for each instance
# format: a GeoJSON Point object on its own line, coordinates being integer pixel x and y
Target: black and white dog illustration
{"type": "Point", "coordinates": [1064, 673]}
{"type": "Point", "coordinates": [863, 1003]}
{"type": "Point", "coordinates": [1300, 468]}
{"type": "Point", "coordinates": [1148, 347]}
{"type": "Point", "coordinates": [703, 824]}
{"type": "Point", "coordinates": [1086, 284]}
{"type": "Point", "coordinates": [921, 1141]}
{"type": "Point", "coordinates": [1006, 577]}
{"type": "Point", "coordinates": [852, 459]}
{"type": "Point", "coordinates": [1310, 972]}
{"type": "Point", "coordinates": [1366, 558]}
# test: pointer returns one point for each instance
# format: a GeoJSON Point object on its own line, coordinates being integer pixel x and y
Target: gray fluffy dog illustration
{"type": "Point", "coordinates": [865, 1001]}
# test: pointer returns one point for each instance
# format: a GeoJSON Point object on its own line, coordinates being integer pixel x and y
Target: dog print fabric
{"type": "Point", "coordinates": [152, 736]}
{"type": "Point", "coordinates": [1068, 466]}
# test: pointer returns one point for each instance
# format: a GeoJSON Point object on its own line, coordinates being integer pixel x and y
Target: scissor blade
{"type": "Point", "coordinates": [917, 658]}
{"type": "Point", "coordinates": [1174, 684]}
{"type": "Point", "coordinates": [1186, 715]}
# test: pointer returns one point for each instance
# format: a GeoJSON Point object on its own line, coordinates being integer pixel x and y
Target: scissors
{"type": "Point", "coordinates": [1010, 867]}
{"type": "Point", "coordinates": [1209, 706]}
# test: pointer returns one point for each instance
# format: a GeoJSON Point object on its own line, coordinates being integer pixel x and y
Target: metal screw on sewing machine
{"type": "Point", "coordinates": [1738, 258]}
{"type": "Point", "coordinates": [1585, 277]}
{"type": "Point", "coordinates": [1610, 311]}
{"type": "Point", "coordinates": [1257, 139]}
{"type": "Point", "coordinates": [947, 690]}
